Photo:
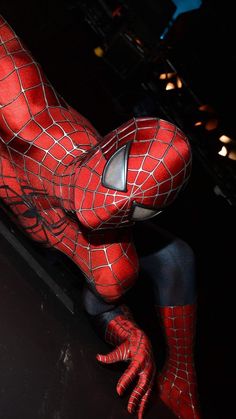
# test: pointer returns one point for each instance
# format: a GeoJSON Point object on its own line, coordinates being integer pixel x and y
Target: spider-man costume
{"type": "Point", "coordinates": [70, 189]}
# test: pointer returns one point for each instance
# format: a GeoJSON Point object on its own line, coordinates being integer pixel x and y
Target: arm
{"type": "Point", "coordinates": [27, 98]}
{"type": "Point", "coordinates": [116, 325]}
{"type": "Point", "coordinates": [108, 260]}
{"type": "Point", "coordinates": [24, 90]}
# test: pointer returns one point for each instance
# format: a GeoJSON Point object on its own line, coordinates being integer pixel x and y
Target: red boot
{"type": "Point", "coordinates": [177, 381]}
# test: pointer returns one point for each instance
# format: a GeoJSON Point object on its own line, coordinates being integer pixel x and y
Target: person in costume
{"type": "Point", "coordinates": [70, 189]}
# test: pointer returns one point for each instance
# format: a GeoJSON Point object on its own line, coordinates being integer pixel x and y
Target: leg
{"type": "Point", "coordinates": [168, 262]}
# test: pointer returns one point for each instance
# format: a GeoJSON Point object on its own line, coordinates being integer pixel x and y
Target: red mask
{"type": "Point", "coordinates": [135, 172]}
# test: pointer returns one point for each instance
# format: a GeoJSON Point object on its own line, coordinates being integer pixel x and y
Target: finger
{"type": "Point", "coordinates": [128, 376]}
{"type": "Point", "coordinates": [144, 403]}
{"type": "Point", "coordinates": [144, 382]}
{"type": "Point", "coordinates": [137, 394]}
{"type": "Point", "coordinates": [118, 354]}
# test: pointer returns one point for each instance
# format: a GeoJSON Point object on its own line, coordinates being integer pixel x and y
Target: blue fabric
{"type": "Point", "coordinates": [166, 261]}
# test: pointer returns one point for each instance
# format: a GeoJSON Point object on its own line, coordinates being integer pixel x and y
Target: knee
{"type": "Point", "coordinates": [173, 256]}
{"type": "Point", "coordinates": [182, 252]}
{"type": "Point", "coordinates": [111, 283]}
{"type": "Point", "coordinates": [171, 271]}
{"type": "Point", "coordinates": [178, 260]}
{"type": "Point", "coordinates": [180, 286]}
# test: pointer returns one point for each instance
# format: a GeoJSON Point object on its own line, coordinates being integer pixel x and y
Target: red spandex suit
{"type": "Point", "coordinates": [72, 190]}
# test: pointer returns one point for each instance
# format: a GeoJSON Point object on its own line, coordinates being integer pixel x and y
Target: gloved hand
{"type": "Point", "coordinates": [134, 346]}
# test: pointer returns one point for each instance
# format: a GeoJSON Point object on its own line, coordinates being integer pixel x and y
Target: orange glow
{"type": "Point", "coordinates": [99, 52]}
{"type": "Point", "coordinates": [206, 108]}
{"type": "Point", "coordinates": [225, 139]}
{"type": "Point", "coordinates": [179, 83]}
{"type": "Point", "coordinates": [165, 76]}
{"type": "Point", "coordinates": [211, 124]}
{"type": "Point", "coordinates": [198, 123]}
{"type": "Point", "coordinates": [232, 155]}
{"type": "Point", "coordinates": [170, 86]}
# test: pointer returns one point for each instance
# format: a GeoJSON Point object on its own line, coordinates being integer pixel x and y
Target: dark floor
{"type": "Point", "coordinates": [47, 346]}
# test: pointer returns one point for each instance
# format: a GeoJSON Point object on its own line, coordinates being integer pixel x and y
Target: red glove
{"type": "Point", "coordinates": [134, 346]}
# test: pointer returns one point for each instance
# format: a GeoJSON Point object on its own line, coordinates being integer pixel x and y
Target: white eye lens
{"type": "Point", "coordinates": [141, 213]}
{"type": "Point", "coordinates": [115, 171]}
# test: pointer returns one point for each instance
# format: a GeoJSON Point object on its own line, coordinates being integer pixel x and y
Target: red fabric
{"type": "Point", "coordinates": [51, 163]}
{"type": "Point", "coordinates": [177, 382]}
{"type": "Point", "coordinates": [131, 345]}
{"type": "Point", "coordinates": [159, 164]}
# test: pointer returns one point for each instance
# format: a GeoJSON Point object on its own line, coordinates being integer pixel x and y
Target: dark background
{"type": "Point", "coordinates": [47, 353]}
